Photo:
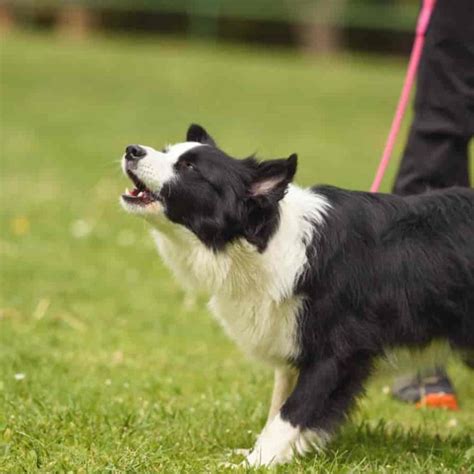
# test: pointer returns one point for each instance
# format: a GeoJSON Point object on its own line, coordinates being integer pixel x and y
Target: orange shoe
{"type": "Point", "coordinates": [439, 400]}
{"type": "Point", "coordinates": [432, 390]}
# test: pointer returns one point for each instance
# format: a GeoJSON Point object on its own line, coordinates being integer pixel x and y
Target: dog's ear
{"type": "Point", "coordinates": [272, 178]}
{"type": "Point", "coordinates": [268, 185]}
{"type": "Point", "coordinates": [196, 133]}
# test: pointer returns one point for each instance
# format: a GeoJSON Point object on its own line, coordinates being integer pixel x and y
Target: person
{"type": "Point", "coordinates": [436, 154]}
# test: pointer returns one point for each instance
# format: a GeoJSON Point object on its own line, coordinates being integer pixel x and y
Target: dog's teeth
{"type": "Point", "coordinates": [127, 191]}
{"type": "Point", "coordinates": [140, 194]}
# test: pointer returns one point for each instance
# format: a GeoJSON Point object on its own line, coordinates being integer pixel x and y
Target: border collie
{"type": "Point", "coordinates": [315, 282]}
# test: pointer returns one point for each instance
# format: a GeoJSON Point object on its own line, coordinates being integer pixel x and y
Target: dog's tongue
{"type": "Point", "coordinates": [132, 192]}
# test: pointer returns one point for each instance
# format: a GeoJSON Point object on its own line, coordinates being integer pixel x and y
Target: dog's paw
{"type": "Point", "coordinates": [268, 457]}
{"type": "Point", "coordinates": [280, 442]}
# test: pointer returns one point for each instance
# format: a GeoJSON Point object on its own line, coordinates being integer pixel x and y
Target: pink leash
{"type": "Point", "coordinates": [421, 27]}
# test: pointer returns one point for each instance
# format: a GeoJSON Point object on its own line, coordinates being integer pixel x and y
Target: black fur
{"type": "Point", "coordinates": [383, 271]}
{"type": "Point", "coordinates": [215, 196]}
{"type": "Point", "coordinates": [196, 133]}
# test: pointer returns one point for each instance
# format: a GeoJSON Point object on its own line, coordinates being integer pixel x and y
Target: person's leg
{"type": "Point", "coordinates": [432, 161]}
{"type": "Point", "coordinates": [436, 153]}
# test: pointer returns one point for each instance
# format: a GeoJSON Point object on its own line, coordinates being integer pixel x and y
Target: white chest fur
{"type": "Point", "coordinates": [261, 327]}
{"type": "Point", "coordinates": [252, 293]}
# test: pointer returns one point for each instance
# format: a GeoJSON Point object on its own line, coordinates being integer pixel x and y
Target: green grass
{"type": "Point", "coordinates": [118, 374]}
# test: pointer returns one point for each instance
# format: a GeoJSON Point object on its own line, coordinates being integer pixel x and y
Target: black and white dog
{"type": "Point", "coordinates": [315, 282]}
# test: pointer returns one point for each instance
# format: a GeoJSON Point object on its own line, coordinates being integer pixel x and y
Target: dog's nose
{"type": "Point", "coordinates": [134, 152]}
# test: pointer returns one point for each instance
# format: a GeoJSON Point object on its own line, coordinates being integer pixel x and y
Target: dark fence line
{"type": "Point", "coordinates": [316, 25]}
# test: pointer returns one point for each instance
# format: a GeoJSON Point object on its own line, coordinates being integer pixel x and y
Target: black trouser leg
{"type": "Point", "coordinates": [432, 161]}
{"type": "Point", "coordinates": [436, 153]}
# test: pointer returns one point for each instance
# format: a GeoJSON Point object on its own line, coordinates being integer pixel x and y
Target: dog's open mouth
{"type": "Point", "coordinates": [140, 194]}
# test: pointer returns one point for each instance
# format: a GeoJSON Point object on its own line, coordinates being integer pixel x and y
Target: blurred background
{"type": "Point", "coordinates": [317, 26]}
{"type": "Point", "coordinates": [103, 367]}
{"type": "Point", "coordinates": [333, 68]}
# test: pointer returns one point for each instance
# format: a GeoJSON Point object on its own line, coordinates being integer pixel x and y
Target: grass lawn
{"type": "Point", "coordinates": [102, 366]}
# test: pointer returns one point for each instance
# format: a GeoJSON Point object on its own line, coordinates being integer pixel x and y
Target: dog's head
{"type": "Point", "coordinates": [197, 185]}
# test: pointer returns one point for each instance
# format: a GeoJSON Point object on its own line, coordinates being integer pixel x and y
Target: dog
{"type": "Point", "coordinates": [317, 283]}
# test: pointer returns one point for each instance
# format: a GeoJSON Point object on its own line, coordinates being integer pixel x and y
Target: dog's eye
{"type": "Point", "coordinates": [186, 165]}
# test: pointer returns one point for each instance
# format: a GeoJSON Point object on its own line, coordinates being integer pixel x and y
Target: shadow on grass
{"type": "Point", "coordinates": [368, 446]}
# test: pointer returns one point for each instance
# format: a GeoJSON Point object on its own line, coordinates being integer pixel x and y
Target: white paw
{"type": "Point", "coordinates": [260, 457]}
{"type": "Point", "coordinates": [280, 442]}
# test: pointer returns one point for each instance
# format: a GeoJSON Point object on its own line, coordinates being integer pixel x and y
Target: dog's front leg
{"type": "Point", "coordinates": [283, 385]}
{"type": "Point", "coordinates": [323, 394]}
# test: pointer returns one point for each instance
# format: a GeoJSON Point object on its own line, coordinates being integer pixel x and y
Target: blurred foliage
{"type": "Point", "coordinates": [377, 14]}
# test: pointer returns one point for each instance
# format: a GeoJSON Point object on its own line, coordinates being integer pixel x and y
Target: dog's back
{"type": "Point", "coordinates": [443, 222]}
{"type": "Point", "coordinates": [401, 269]}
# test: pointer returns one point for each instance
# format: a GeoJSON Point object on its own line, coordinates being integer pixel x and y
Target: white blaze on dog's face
{"type": "Point", "coordinates": [149, 170]}
{"type": "Point", "coordinates": [198, 186]}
